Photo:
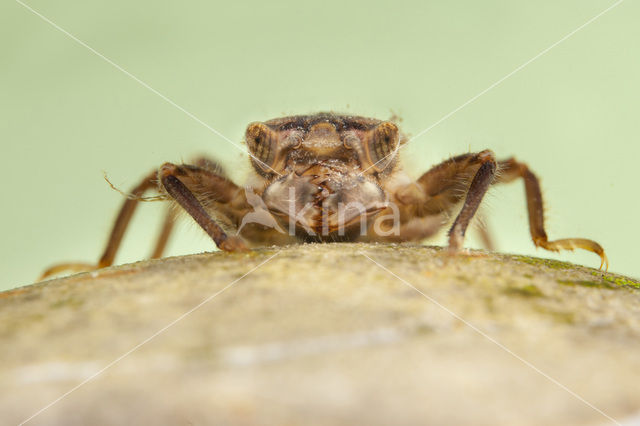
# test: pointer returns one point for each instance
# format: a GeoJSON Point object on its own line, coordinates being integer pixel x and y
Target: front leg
{"type": "Point", "coordinates": [170, 178]}
{"type": "Point", "coordinates": [475, 194]}
{"type": "Point", "coordinates": [438, 191]}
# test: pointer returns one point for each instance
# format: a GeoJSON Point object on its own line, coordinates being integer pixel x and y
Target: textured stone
{"type": "Point", "coordinates": [321, 335]}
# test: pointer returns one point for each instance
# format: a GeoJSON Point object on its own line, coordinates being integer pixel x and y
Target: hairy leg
{"type": "Point", "coordinates": [117, 232]}
{"type": "Point", "coordinates": [170, 215]}
{"type": "Point", "coordinates": [510, 170]}
{"type": "Point", "coordinates": [165, 232]}
{"type": "Point", "coordinates": [217, 187]}
{"type": "Point", "coordinates": [438, 191]}
{"type": "Point", "coordinates": [177, 180]}
{"type": "Point", "coordinates": [478, 188]}
{"type": "Point", "coordinates": [441, 188]}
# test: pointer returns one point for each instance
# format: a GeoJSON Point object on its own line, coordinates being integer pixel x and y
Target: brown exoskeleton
{"type": "Point", "coordinates": [329, 177]}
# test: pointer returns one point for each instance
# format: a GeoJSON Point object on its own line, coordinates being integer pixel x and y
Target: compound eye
{"type": "Point", "coordinates": [262, 142]}
{"type": "Point", "coordinates": [382, 145]}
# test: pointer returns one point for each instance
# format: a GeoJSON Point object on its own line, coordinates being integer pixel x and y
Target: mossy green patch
{"type": "Point", "coordinates": [586, 283]}
{"type": "Point", "coordinates": [613, 281]}
{"type": "Point", "coordinates": [529, 290]}
{"type": "Point", "coordinates": [549, 263]}
{"type": "Point", "coordinates": [621, 281]}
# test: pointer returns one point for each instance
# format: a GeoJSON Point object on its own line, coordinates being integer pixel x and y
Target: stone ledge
{"type": "Point", "coordinates": [321, 335]}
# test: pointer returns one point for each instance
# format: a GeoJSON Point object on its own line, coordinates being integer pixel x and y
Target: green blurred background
{"type": "Point", "coordinates": [67, 115]}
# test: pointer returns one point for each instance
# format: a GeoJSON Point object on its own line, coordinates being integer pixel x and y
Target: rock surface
{"type": "Point", "coordinates": [324, 335]}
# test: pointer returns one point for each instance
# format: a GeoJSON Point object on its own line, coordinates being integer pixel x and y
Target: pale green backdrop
{"type": "Point", "coordinates": [68, 115]}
